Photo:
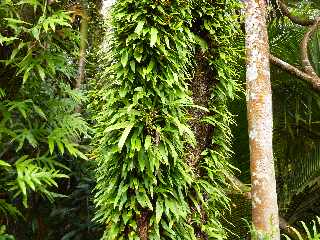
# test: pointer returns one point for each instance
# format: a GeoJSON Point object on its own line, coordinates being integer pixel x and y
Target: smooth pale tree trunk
{"type": "Point", "coordinates": [259, 107]}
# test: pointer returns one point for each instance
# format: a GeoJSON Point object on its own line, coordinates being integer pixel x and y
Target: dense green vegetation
{"type": "Point", "coordinates": [151, 143]}
{"type": "Point", "coordinates": [40, 130]}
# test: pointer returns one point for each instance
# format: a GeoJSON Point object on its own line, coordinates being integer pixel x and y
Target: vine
{"type": "Point", "coordinates": [146, 188]}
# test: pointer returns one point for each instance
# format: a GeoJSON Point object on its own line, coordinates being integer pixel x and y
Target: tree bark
{"type": "Point", "coordinates": [259, 109]}
{"type": "Point", "coordinates": [240, 187]}
{"type": "Point", "coordinates": [83, 48]}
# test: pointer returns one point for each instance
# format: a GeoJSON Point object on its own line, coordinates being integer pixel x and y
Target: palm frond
{"type": "Point", "coordinates": [311, 232]}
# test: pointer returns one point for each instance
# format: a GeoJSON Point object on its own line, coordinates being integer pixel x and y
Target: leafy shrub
{"type": "Point", "coordinates": [39, 126]}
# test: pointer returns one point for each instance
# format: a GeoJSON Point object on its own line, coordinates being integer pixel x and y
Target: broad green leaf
{"type": "Point", "coordinates": [144, 200]}
{"type": "Point", "coordinates": [124, 58]}
{"type": "Point", "coordinates": [4, 164]}
{"type": "Point", "coordinates": [126, 216]}
{"type": "Point", "coordinates": [51, 145]}
{"type": "Point", "coordinates": [124, 136]}
{"type": "Point", "coordinates": [117, 126]}
{"type": "Point", "coordinates": [142, 160]}
{"type": "Point", "coordinates": [70, 147]}
{"type": "Point", "coordinates": [16, 50]}
{"type": "Point", "coordinates": [150, 66]}
{"type": "Point", "coordinates": [121, 189]}
{"type": "Point", "coordinates": [80, 154]}
{"type": "Point", "coordinates": [60, 147]}
{"type": "Point", "coordinates": [41, 72]}
{"type": "Point", "coordinates": [21, 160]}
{"type": "Point", "coordinates": [147, 142]}
{"type": "Point", "coordinates": [22, 186]}
{"type": "Point", "coordinates": [139, 27]}
{"type": "Point", "coordinates": [29, 182]}
{"type": "Point", "coordinates": [31, 139]}
{"type": "Point", "coordinates": [159, 210]}
{"type": "Point", "coordinates": [202, 43]}
{"type": "Point", "coordinates": [166, 39]}
{"type": "Point", "coordinates": [154, 36]}
{"type": "Point", "coordinates": [26, 75]}
{"type": "Point", "coordinates": [133, 66]}
{"type": "Point", "coordinates": [40, 112]}
{"type": "Point", "coordinates": [137, 55]}
{"type": "Point", "coordinates": [35, 32]}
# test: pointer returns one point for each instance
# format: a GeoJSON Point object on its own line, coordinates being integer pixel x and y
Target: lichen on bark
{"type": "Point", "coordinates": [259, 110]}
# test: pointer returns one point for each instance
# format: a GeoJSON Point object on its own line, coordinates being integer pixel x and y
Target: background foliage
{"type": "Point", "coordinates": [156, 116]}
{"type": "Point", "coordinates": [40, 129]}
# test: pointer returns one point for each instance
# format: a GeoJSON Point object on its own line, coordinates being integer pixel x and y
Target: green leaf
{"type": "Point", "coordinates": [4, 164]}
{"type": "Point", "coordinates": [60, 147]}
{"type": "Point", "coordinates": [202, 43]}
{"type": "Point", "coordinates": [6, 39]}
{"type": "Point", "coordinates": [51, 145]}
{"type": "Point", "coordinates": [147, 142]}
{"type": "Point", "coordinates": [154, 36]}
{"type": "Point", "coordinates": [133, 66]}
{"type": "Point", "coordinates": [71, 149]}
{"type": "Point", "coordinates": [139, 27]}
{"type": "Point", "coordinates": [117, 126]}
{"type": "Point", "coordinates": [144, 200]}
{"type": "Point", "coordinates": [142, 160]}
{"type": "Point", "coordinates": [159, 210]}
{"type": "Point", "coordinates": [80, 154]}
{"type": "Point", "coordinates": [26, 75]}
{"type": "Point", "coordinates": [29, 182]}
{"type": "Point", "coordinates": [22, 186]}
{"type": "Point", "coordinates": [124, 58]}
{"type": "Point", "coordinates": [124, 136]}
{"type": "Point", "coordinates": [137, 55]}
{"type": "Point", "coordinates": [35, 32]}
{"type": "Point", "coordinates": [16, 50]}
{"type": "Point", "coordinates": [16, 21]}
{"type": "Point", "coordinates": [40, 112]}
{"type": "Point", "coordinates": [150, 66]}
{"type": "Point", "coordinates": [41, 72]}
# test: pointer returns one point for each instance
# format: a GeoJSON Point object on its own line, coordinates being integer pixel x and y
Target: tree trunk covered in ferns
{"type": "Point", "coordinates": [259, 108]}
{"type": "Point", "coordinates": [148, 187]}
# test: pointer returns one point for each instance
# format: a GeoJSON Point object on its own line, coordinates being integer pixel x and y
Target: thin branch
{"type": "Point", "coordinates": [307, 73]}
{"type": "Point", "coordinates": [314, 80]}
{"type": "Point", "coordinates": [306, 64]}
{"type": "Point", "coordinates": [298, 20]}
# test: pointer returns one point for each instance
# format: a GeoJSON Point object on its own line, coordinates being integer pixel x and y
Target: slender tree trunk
{"type": "Point", "coordinates": [83, 48]}
{"type": "Point", "coordinates": [259, 106]}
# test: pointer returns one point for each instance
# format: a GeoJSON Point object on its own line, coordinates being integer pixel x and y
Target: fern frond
{"type": "Point", "coordinates": [310, 231]}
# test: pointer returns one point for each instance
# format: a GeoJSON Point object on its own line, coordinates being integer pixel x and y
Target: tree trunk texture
{"type": "Point", "coordinates": [201, 91]}
{"type": "Point", "coordinates": [259, 109]}
{"type": "Point", "coordinates": [83, 48]}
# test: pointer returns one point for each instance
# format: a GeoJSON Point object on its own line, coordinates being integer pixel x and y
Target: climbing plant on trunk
{"type": "Point", "coordinates": [147, 187]}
